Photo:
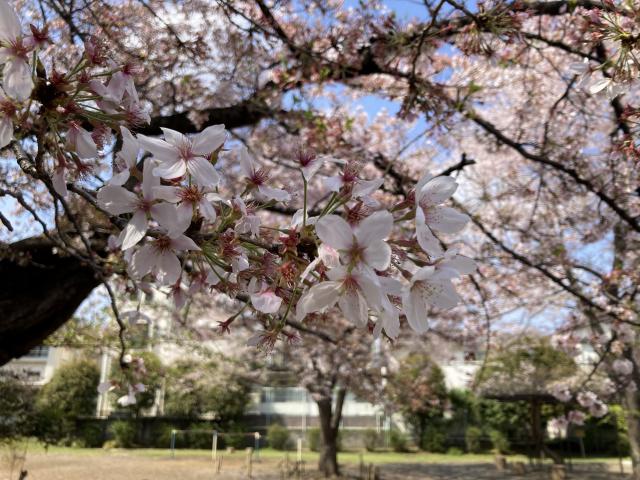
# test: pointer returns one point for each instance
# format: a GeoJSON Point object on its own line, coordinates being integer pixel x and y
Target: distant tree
{"type": "Point", "coordinates": [418, 391]}
{"type": "Point", "coordinates": [195, 388]}
{"type": "Point", "coordinates": [17, 413]}
{"type": "Point", "coordinates": [525, 371]}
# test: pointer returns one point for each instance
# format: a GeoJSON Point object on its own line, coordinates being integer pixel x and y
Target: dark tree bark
{"type": "Point", "coordinates": [40, 289]}
{"type": "Point", "coordinates": [538, 435]}
{"type": "Point", "coordinates": [329, 426]}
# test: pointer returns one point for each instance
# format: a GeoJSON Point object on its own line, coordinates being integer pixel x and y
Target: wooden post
{"type": "Point", "coordinates": [256, 437]}
{"type": "Point", "coordinates": [173, 444]}
{"type": "Point", "coordinates": [219, 464]}
{"type": "Point", "coordinates": [249, 452]}
{"type": "Point", "coordinates": [361, 466]}
{"type": "Point", "coordinates": [370, 472]}
{"type": "Point", "coordinates": [214, 445]}
{"type": "Point", "coordinates": [299, 445]}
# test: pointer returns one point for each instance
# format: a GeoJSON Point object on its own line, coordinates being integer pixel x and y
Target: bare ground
{"type": "Point", "coordinates": [108, 465]}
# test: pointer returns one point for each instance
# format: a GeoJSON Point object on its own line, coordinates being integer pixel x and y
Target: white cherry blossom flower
{"type": "Point", "coordinates": [363, 245]}
{"type": "Point", "coordinates": [159, 257]}
{"type": "Point", "coordinates": [118, 200]}
{"type": "Point", "coordinates": [348, 178]}
{"type": "Point", "coordinates": [576, 417]}
{"type": "Point", "coordinates": [354, 292]}
{"type": "Point", "coordinates": [16, 79]}
{"type": "Point", "coordinates": [249, 222]}
{"type": "Point", "coordinates": [258, 177]}
{"type": "Point", "coordinates": [429, 286]}
{"type": "Point", "coordinates": [430, 193]}
{"type": "Point", "coordinates": [189, 198]}
{"type": "Point", "coordinates": [178, 154]}
{"type": "Point", "coordinates": [622, 366]}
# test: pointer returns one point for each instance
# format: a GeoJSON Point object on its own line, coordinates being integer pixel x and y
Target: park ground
{"type": "Point", "coordinates": [143, 464]}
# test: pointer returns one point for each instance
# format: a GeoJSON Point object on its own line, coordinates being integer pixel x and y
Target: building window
{"type": "Point", "coordinates": [39, 352]}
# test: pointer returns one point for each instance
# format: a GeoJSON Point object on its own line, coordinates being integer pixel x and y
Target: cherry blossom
{"type": "Point", "coordinates": [362, 246]}
{"type": "Point", "coordinates": [178, 154]}
{"type": "Point", "coordinates": [7, 111]}
{"type": "Point", "coordinates": [258, 177]}
{"type": "Point", "coordinates": [430, 193]}
{"type": "Point", "coordinates": [118, 200]}
{"type": "Point", "coordinates": [17, 81]}
{"type": "Point", "coordinates": [159, 257]}
{"type": "Point", "coordinates": [128, 155]}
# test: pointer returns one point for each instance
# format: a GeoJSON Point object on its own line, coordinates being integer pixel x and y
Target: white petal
{"type": "Point", "coordinates": [335, 232]}
{"type": "Point", "coordinates": [437, 190]}
{"type": "Point", "coordinates": [378, 255]}
{"type": "Point", "coordinates": [120, 178]}
{"type": "Point", "coordinates": [9, 22]}
{"type": "Point", "coordinates": [117, 200]}
{"type": "Point", "coordinates": [311, 169]}
{"type": "Point", "coordinates": [354, 308]}
{"type": "Point", "coordinates": [166, 216]}
{"type": "Point", "coordinates": [166, 193]}
{"type": "Point", "coordinates": [426, 176]}
{"type": "Point", "coordinates": [444, 296]}
{"type": "Point", "coordinates": [203, 172]}
{"type": "Point", "coordinates": [171, 169]}
{"type": "Point", "coordinates": [245, 161]}
{"type": "Point", "coordinates": [277, 194]}
{"type": "Point", "coordinates": [427, 241]}
{"type": "Point", "coordinates": [85, 146]}
{"type": "Point", "coordinates": [445, 219]}
{"type": "Point", "coordinates": [174, 137]}
{"type": "Point", "coordinates": [374, 228]}
{"type": "Point", "coordinates": [17, 81]}
{"type": "Point", "coordinates": [599, 86]}
{"type": "Point", "coordinates": [318, 297]}
{"type": "Point", "coordinates": [149, 180]}
{"type": "Point", "coordinates": [462, 264]}
{"type": "Point", "coordinates": [143, 261]}
{"type": "Point", "coordinates": [415, 309]}
{"type": "Point", "coordinates": [367, 187]}
{"type": "Point", "coordinates": [160, 149]}
{"type": "Point", "coordinates": [130, 148]}
{"type": "Point", "coordinates": [209, 140]}
{"type": "Point", "coordinates": [371, 288]}
{"type": "Point", "coordinates": [59, 181]}
{"type": "Point", "coordinates": [266, 302]}
{"type": "Point", "coordinates": [134, 230]}
{"type": "Point", "coordinates": [169, 268]}
{"type": "Point", "coordinates": [207, 210]}
{"type": "Point", "coordinates": [6, 130]}
{"type": "Point", "coordinates": [182, 242]}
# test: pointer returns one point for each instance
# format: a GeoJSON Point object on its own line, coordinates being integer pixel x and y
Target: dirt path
{"type": "Point", "coordinates": [116, 465]}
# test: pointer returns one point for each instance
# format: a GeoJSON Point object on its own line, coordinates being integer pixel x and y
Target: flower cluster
{"type": "Point", "coordinates": [198, 213]}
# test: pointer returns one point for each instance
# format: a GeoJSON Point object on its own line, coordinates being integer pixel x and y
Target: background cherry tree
{"type": "Point", "coordinates": [530, 103]}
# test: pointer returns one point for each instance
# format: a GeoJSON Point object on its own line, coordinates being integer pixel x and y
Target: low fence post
{"type": "Point", "coordinates": [214, 445]}
{"type": "Point", "coordinates": [249, 461]}
{"type": "Point", "coordinates": [173, 444]}
{"type": "Point", "coordinates": [257, 444]}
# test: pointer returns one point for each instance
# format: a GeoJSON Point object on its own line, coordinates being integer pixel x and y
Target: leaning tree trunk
{"type": "Point", "coordinates": [40, 289]}
{"type": "Point", "coordinates": [329, 427]}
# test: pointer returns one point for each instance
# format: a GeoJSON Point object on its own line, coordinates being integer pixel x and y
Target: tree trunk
{"type": "Point", "coordinates": [40, 289]}
{"type": "Point", "coordinates": [538, 435]}
{"type": "Point", "coordinates": [329, 427]}
{"type": "Point", "coordinates": [631, 403]}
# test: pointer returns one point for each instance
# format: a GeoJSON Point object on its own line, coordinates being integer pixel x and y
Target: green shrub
{"type": "Point", "coordinates": [90, 435]}
{"type": "Point", "coordinates": [198, 435]}
{"type": "Point", "coordinates": [239, 440]}
{"type": "Point", "coordinates": [371, 440]}
{"type": "Point", "coordinates": [499, 442]}
{"type": "Point", "coordinates": [473, 440]}
{"type": "Point", "coordinates": [278, 437]}
{"type": "Point", "coordinates": [454, 451]}
{"type": "Point", "coordinates": [314, 438]}
{"type": "Point", "coordinates": [161, 435]}
{"type": "Point", "coordinates": [433, 440]}
{"type": "Point", "coordinates": [124, 433]}
{"type": "Point", "coordinates": [398, 441]}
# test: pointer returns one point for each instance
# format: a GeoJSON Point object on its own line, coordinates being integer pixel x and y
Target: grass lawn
{"type": "Point", "coordinates": [378, 458]}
